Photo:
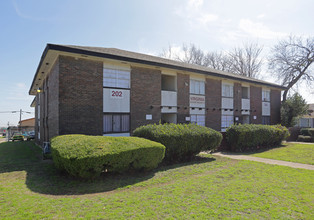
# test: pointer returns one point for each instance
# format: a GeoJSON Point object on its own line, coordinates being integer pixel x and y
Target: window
{"type": "Point", "coordinates": [266, 96]}
{"type": "Point", "coordinates": [226, 121]}
{"type": "Point", "coordinates": [116, 78]}
{"type": "Point", "coordinates": [245, 119]}
{"type": "Point", "coordinates": [198, 119]}
{"type": "Point", "coordinates": [227, 90]}
{"type": "Point", "coordinates": [116, 123]}
{"type": "Point", "coordinates": [245, 92]}
{"type": "Point", "coordinates": [266, 120]}
{"type": "Point", "coordinates": [168, 83]}
{"type": "Point", "coordinates": [197, 87]}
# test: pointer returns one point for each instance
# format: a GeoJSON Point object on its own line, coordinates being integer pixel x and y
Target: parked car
{"type": "Point", "coordinates": [30, 136]}
{"type": "Point", "coordinates": [17, 137]}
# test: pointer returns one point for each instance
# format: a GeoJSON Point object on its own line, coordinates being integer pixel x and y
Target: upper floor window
{"type": "Point", "coordinates": [197, 87]}
{"type": "Point", "coordinates": [116, 78]}
{"type": "Point", "coordinates": [266, 96]}
{"type": "Point", "coordinates": [245, 93]}
{"type": "Point", "coordinates": [227, 90]}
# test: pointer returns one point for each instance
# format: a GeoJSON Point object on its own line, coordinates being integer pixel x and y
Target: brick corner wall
{"type": "Point", "coordinates": [183, 97]}
{"type": "Point", "coordinates": [80, 96]}
{"type": "Point", "coordinates": [275, 104]}
{"type": "Point", "coordinates": [145, 97]}
{"type": "Point", "coordinates": [256, 104]}
{"type": "Point", "coordinates": [213, 103]}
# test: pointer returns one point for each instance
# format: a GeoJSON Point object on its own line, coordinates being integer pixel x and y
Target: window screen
{"type": "Point", "coordinates": [116, 78]}
{"type": "Point", "coordinates": [226, 121]}
{"type": "Point", "coordinates": [266, 120]}
{"type": "Point", "coordinates": [197, 87]}
{"type": "Point", "coordinates": [116, 123]}
{"type": "Point", "coordinates": [266, 95]}
{"type": "Point", "coordinates": [245, 92]}
{"type": "Point", "coordinates": [227, 90]}
{"type": "Point", "coordinates": [198, 119]}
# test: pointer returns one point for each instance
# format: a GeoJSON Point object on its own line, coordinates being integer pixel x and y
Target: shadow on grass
{"type": "Point", "coordinates": [254, 151]}
{"type": "Point", "coordinates": [43, 177]}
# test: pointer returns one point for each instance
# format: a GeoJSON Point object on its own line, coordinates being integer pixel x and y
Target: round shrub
{"type": "Point", "coordinates": [88, 156]}
{"type": "Point", "coordinates": [182, 141]}
{"type": "Point", "coordinates": [245, 137]}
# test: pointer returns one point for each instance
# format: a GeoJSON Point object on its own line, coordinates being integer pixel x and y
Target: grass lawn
{"type": "Point", "coordinates": [209, 188]}
{"type": "Point", "coordinates": [299, 153]}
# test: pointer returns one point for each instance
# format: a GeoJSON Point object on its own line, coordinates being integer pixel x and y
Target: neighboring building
{"type": "Point", "coordinates": [27, 125]}
{"type": "Point", "coordinates": [107, 91]}
{"type": "Point", "coordinates": [307, 121]}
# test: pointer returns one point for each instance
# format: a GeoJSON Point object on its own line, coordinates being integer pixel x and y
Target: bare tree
{"type": "Point", "coordinates": [192, 55]}
{"type": "Point", "coordinates": [243, 61]}
{"type": "Point", "coordinates": [218, 61]}
{"type": "Point", "coordinates": [246, 61]}
{"type": "Point", "coordinates": [291, 60]}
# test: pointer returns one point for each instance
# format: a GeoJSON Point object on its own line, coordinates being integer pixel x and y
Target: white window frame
{"type": "Point", "coordinates": [116, 78]}
{"type": "Point", "coordinates": [197, 87]}
{"type": "Point", "coordinates": [198, 119]}
{"type": "Point", "coordinates": [227, 90]}
{"type": "Point", "coordinates": [115, 115]}
{"type": "Point", "coordinates": [265, 95]}
{"type": "Point", "coordinates": [226, 121]}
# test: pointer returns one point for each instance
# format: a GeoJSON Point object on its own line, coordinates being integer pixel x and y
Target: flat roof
{"type": "Point", "coordinates": [133, 57]}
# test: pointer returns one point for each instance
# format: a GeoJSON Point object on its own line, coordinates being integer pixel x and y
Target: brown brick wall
{"type": "Point", "coordinates": [183, 97]}
{"type": "Point", "coordinates": [213, 103]}
{"type": "Point", "coordinates": [237, 99]}
{"type": "Point", "coordinates": [80, 96]}
{"type": "Point", "coordinates": [256, 104]}
{"type": "Point", "coordinates": [145, 96]}
{"type": "Point", "coordinates": [53, 101]}
{"type": "Point", "coordinates": [275, 103]}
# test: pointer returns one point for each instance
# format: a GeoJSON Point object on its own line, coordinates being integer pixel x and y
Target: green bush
{"type": "Point", "coordinates": [303, 138]}
{"type": "Point", "coordinates": [182, 141]}
{"type": "Point", "coordinates": [88, 156]}
{"type": "Point", "coordinates": [307, 132]}
{"type": "Point", "coordinates": [246, 137]}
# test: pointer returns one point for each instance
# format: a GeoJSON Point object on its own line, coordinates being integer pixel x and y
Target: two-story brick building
{"type": "Point", "coordinates": [107, 91]}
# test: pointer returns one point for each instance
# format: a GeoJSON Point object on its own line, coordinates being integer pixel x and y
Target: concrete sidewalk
{"type": "Point", "coordinates": [265, 160]}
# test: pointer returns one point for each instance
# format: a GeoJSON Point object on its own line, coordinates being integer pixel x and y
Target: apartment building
{"type": "Point", "coordinates": [107, 91]}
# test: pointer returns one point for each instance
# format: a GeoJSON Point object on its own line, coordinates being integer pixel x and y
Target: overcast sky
{"type": "Point", "coordinates": [140, 26]}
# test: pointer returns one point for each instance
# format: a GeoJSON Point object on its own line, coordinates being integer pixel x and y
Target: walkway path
{"type": "Point", "coordinates": [265, 160]}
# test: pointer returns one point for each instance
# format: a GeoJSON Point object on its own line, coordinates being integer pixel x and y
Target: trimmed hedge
{"type": "Point", "coordinates": [88, 156]}
{"type": "Point", "coordinates": [303, 138]}
{"type": "Point", "coordinates": [307, 132]}
{"type": "Point", "coordinates": [182, 141]}
{"type": "Point", "coordinates": [247, 137]}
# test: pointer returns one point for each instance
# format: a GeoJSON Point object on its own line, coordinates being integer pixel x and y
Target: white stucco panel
{"type": "Point", "coordinates": [245, 104]}
{"type": "Point", "coordinates": [168, 98]}
{"type": "Point", "coordinates": [265, 108]}
{"type": "Point", "coordinates": [197, 111]}
{"type": "Point", "coordinates": [227, 103]}
{"type": "Point", "coordinates": [116, 100]}
{"type": "Point", "coordinates": [197, 101]}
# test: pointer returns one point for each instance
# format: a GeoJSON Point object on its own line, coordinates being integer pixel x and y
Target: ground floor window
{"type": "Point", "coordinates": [116, 123]}
{"type": "Point", "coordinates": [226, 121]}
{"type": "Point", "coordinates": [266, 120]}
{"type": "Point", "coordinates": [198, 119]}
{"type": "Point", "coordinates": [245, 119]}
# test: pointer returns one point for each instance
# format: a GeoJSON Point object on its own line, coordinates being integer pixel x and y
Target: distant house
{"type": "Point", "coordinates": [307, 120]}
{"type": "Point", "coordinates": [107, 91]}
{"type": "Point", "coordinates": [27, 125]}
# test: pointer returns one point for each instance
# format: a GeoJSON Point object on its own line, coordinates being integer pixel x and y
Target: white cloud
{"type": "Point", "coordinates": [195, 3]}
{"type": "Point", "coordinates": [195, 15]}
{"type": "Point", "coordinates": [260, 16]}
{"type": "Point", "coordinates": [258, 29]}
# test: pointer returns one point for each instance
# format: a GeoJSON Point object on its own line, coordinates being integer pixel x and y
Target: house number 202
{"type": "Point", "coordinates": [116, 93]}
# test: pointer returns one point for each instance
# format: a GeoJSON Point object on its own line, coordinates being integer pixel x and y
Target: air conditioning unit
{"type": "Point", "coordinates": [46, 148]}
